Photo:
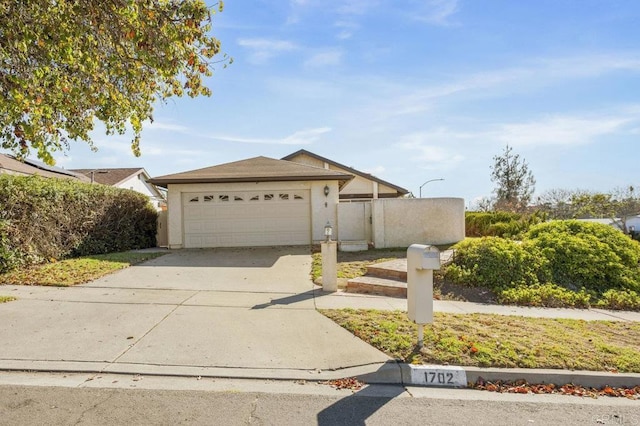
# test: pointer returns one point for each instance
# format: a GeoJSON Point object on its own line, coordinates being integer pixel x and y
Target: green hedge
{"type": "Point", "coordinates": [499, 224]}
{"type": "Point", "coordinates": [48, 219]}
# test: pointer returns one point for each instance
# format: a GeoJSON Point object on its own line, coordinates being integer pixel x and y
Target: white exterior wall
{"type": "Point", "coordinates": [138, 184]}
{"type": "Point", "coordinates": [402, 222]}
{"type": "Point", "coordinates": [320, 213]}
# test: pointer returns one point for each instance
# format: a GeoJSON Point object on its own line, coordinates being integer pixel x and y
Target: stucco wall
{"type": "Point", "coordinates": [402, 222]}
{"type": "Point", "coordinates": [321, 213]}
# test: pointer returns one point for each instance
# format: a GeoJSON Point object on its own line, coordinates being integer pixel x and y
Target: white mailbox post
{"type": "Point", "coordinates": [422, 260]}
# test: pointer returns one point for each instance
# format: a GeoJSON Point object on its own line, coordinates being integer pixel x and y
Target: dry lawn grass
{"type": "Point", "coordinates": [499, 341]}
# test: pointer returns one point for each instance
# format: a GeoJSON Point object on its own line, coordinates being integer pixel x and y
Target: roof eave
{"type": "Point", "coordinates": [342, 179]}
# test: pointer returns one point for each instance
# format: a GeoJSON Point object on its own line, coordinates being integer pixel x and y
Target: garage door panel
{"type": "Point", "coordinates": [237, 219]}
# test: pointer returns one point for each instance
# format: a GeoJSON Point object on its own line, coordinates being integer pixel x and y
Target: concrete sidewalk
{"type": "Point", "coordinates": [342, 299]}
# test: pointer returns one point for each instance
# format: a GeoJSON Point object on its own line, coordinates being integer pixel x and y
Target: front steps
{"type": "Point", "coordinates": [386, 278]}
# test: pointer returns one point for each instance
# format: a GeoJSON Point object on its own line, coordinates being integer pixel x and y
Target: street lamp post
{"type": "Point", "coordinates": [431, 180]}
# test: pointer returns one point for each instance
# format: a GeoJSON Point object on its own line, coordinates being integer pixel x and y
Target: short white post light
{"type": "Point", "coordinates": [328, 232]}
{"type": "Point", "coordinates": [422, 260]}
{"type": "Point", "coordinates": [329, 261]}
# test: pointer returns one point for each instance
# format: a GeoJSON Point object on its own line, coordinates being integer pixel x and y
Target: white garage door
{"type": "Point", "coordinates": [241, 219]}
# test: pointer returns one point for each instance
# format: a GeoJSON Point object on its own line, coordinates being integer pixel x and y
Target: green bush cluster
{"type": "Point", "coordinates": [558, 263]}
{"type": "Point", "coordinates": [48, 219]}
{"type": "Point", "coordinates": [499, 224]}
{"type": "Point", "coordinates": [495, 262]}
{"type": "Point", "coordinates": [588, 255]}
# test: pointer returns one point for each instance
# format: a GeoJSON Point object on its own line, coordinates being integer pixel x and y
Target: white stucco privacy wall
{"type": "Point", "coordinates": [402, 222]}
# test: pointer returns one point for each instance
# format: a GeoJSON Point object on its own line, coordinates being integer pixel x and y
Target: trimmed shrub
{"type": "Point", "coordinates": [47, 219]}
{"type": "Point", "coordinates": [620, 299]}
{"type": "Point", "coordinates": [499, 224]}
{"type": "Point", "coordinates": [547, 295]}
{"type": "Point", "coordinates": [588, 255]}
{"type": "Point", "coordinates": [496, 263]}
{"type": "Point", "coordinates": [477, 224]}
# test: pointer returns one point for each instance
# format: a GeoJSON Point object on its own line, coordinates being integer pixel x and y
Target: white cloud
{"type": "Point", "coordinates": [561, 130]}
{"type": "Point", "coordinates": [301, 137]}
{"type": "Point", "coordinates": [261, 49]}
{"type": "Point", "coordinates": [437, 12]}
{"type": "Point", "coordinates": [428, 152]}
{"type": "Point", "coordinates": [328, 58]}
{"type": "Point", "coordinates": [158, 125]}
{"type": "Point", "coordinates": [347, 28]}
{"type": "Point", "coordinates": [356, 7]}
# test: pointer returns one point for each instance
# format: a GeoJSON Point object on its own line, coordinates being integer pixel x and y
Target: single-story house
{"type": "Point", "coordinates": [12, 166]}
{"type": "Point", "coordinates": [255, 202]}
{"type": "Point", "coordinates": [135, 179]}
{"type": "Point", "coordinates": [363, 186]}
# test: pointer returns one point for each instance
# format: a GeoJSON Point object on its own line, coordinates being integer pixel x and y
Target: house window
{"type": "Point", "coordinates": [208, 198]}
{"type": "Point", "coordinates": [194, 200]}
{"type": "Point", "coordinates": [237, 198]}
{"type": "Point", "coordinates": [223, 198]}
{"type": "Point", "coordinates": [255, 198]}
{"type": "Point", "coordinates": [268, 197]}
{"type": "Point", "coordinates": [284, 197]}
{"type": "Point", "coordinates": [298, 197]}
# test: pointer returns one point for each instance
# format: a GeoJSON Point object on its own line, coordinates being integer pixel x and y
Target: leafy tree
{"type": "Point", "coordinates": [515, 182]}
{"type": "Point", "coordinates": [65, 64]}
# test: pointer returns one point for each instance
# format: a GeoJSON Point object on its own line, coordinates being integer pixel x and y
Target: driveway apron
{"type": "Point", "coordinates": [224, 312]}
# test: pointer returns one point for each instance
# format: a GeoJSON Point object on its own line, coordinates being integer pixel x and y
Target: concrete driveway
{"type": "Point", "coordinates": [218, 312]}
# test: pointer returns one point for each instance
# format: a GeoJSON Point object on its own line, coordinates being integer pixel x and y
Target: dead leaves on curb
{"type": "Point", "coordinates": [348, 383]}
{"type": "Point", "coordinates": [522, 387]}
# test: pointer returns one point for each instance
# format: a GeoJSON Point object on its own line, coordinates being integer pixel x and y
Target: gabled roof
{"type": "Point", "coordinates": [111, 177]}
{"type": "Point", "coordinates": [258, 169]}
{"type": "Point", "coordinates": [349, 169]}
{"type": "Point", "coordinates": [32, 167]}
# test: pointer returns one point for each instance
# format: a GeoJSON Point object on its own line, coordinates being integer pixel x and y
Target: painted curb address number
{"type": "Point", "coordinates": [427, 375]}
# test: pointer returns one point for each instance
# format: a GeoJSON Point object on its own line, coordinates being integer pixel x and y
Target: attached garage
{"type": "Point", "coordinates": [246, 218]}
{"type": "Point", "coordinates": [255, 202]}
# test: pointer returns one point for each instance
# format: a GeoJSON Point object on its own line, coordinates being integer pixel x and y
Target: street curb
{"type": "Point", "coordinates": [388, 374]}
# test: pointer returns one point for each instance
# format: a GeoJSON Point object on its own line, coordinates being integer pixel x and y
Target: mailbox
{"type": "Point", "coordinates": [422, 260]}
{"type": "Point", "coordinates": [431, 258]}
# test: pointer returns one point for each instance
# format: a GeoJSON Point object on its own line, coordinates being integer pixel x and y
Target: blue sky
{"type": "Point", "coordinates": [412, 90]}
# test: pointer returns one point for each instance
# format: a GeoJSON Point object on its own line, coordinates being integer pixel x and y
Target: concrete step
{"type": "Point", "coordinates": [375, 285]}
{"type": "Point", "coordinates": [353, 246]}
{"type": "Point", "coordinates": [393, 269]}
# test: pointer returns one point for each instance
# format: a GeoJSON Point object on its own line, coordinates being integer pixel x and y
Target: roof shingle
{"type": "Point", "coordinates": [110, 176]}
{"type": "Point", "coordinates": [258, 169]}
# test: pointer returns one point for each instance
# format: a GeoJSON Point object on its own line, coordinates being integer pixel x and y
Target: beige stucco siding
{"type": "Point", "coordinates": [309, 161]}
{"type": "Point", "coordinates": [402, 222]}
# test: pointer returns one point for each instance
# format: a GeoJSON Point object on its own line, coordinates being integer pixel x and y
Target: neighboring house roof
{"type": "Point", "coordinates": [31, 167]}
{"type": "Point", "coordinates": [111, 177]}
{"type": "Point", "coordinates": [258, 169]}
{"type": "Point", "coordinates": [400, 190]}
